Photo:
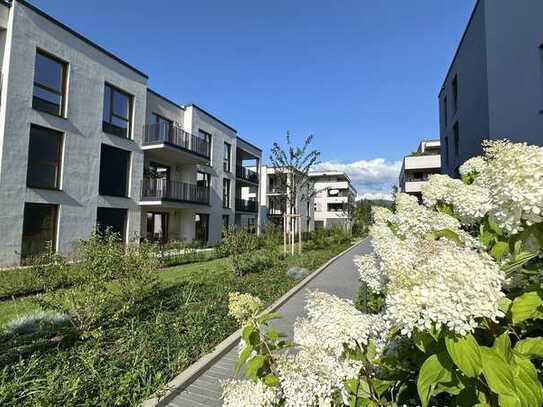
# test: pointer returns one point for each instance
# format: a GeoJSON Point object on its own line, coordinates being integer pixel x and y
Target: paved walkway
{"type": "Point", "coordinates": [339, 278]}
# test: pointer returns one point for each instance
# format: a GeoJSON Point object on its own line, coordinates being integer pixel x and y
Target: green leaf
{"type": "Point", "coordinates": [502, 345]}
{"type": "Point", "coordinates": [530, 347]}
{"type": "Point", "coordinates": [499, 250]}
{"type": "Point", "coordinates": [504, 305]}
{"type": "Point", "coordinates": [271, 380]}
{"type": "Point", "coordinates": [529, 389]}
{"type": "Point", "coordinates": [464, 352]}
{"type": "Point", "coordinates": [520, 260]}
{"type": "Point", "coordinates": [494, 226]}
{"type": "Point", "coordinates": [264, 318]}
{"type": "Point", "coordinates": [422, 340]}
{"type": "Point", "coordinates": [444, 208]}
{"type": "Point", "coordinates": [448, 234]}
{"type": "Point", "coordinates": [254, 367]}
{"type": "Point", "coordinates": [527, 306]}
{"type": "Point", "coordinates": [498, 374]}
{"type": "Point", "coordinates": [470, 396]}
{"type": "Point", "coordinates": [436, 369]}
{"type": "Point", "coordinates": [273, 334]}
{"type": "Point", "coordinates": [245, 353]}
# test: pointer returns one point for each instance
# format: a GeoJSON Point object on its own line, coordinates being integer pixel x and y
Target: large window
{"type": "Point", "coordinates": [203, 179]}
{"type": "Point", "coordinates": [117, 112]}
{"type": "Point", "coordinates": [456, 140]}
{"type": "Point", "coordinates": [163, 127]}
{"type": "Point", "coordinates": [227, 157]}
{"type": "Point", "coordinates": [114, 166]}
{"type": "Point", "coordinates": [44, 158]}
{"type": "Point", "coordinates": [49, 84]}
{"type": "Point", "coordinates": [202, 228]}
{"type": "Point", "coordinates": [157, 226]}
{"type": "Point", "coordinates": [445, 112]}
{"type": "Point", "coordinates": [112, 220]}
{"type": "Point", "coordinates": [455, 93]}
{"type": "Point", "coordinates": [39, 229]}
{"type": "Point", "coordinates": [446, 151]}
{"type": "Point", "coordinates": [207, 137]}
{"type": "Point", "coordinates": [226, 193]}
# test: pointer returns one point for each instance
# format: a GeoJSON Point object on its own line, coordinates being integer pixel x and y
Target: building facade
{"type": "Point", "coordinates": [333, 200]}
{"type": "Point", "coordinates": [494, 86]}
{"type": "Point", "coordinates": [417, 166]}
{"type": "Point", "coordinates": [85, 143]}
{"type": "Point", "coordinates": [275, 199]}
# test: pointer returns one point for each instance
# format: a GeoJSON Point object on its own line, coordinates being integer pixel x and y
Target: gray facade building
{"type": "Point", "coordinates": [85, 143]}
{"type": "Point", "coordinates": [494, 86]}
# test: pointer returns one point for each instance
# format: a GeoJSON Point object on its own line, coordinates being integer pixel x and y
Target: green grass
{"type": "Point", "coordinates": [134, 357]}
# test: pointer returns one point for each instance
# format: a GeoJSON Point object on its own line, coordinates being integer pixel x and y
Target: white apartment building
{"type": "Point", "coordinates": [334, 198]}
{"type": "Point", "coordinates": [274, 198]}
{"type": "Point", "coordinates": [417, 166]}
{"type": "Point", "coordinates": [85, 143]}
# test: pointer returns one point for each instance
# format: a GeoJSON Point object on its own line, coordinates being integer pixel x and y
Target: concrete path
{"type": "Point", "coordinates": [339, 278]}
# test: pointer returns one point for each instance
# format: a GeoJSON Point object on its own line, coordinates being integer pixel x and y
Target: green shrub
{"type": "Point", "coordinates": [240, 243]}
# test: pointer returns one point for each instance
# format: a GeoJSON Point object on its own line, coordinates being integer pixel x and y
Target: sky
{"type": "Point", "coordinates": [362, 76]}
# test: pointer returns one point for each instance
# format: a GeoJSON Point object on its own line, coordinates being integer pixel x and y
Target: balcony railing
{"type": "Point", "coordinates": [246, 174]}
{"type": "Point", "coordinates": [246, 205]}
{"type": "Point", "coordinates": [175, 135]}
{"type": "Point", "coordinates": [160, 188]}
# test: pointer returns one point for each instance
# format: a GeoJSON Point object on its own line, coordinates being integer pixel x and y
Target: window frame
{"type": "Point", "coordinates": [55, 211]}
{"type": "Point", "coordinates": [454, 85]}
{"type": "Point", "coordinates": [64, 83]}
{"type": "Point", "coordinates": [124, 211]}
{"type": "Point", "coordinates": [209, 138]}
{"type": "Point", "coordinates": [445, 111]}
{"type": "Point", "coordinates": [107, 124]}
{"type": "Point", "coordinates": [129, 163]}
{"type": "Point", "coordinates": [207, 179]}
{"type": "Point", "coordinates": [226, 193]}
{"type": "Point", "coordinates": [456, 139]}
{"type": "Point", "coordinates": [227, 160]}
{"type": "Point", "coordinates": [58, 164]}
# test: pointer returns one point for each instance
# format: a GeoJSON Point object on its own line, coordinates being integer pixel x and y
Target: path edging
{"type": "Point", "coordinates": [191, 373]}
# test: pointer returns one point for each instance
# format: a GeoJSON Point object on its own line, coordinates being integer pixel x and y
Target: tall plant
{"type": "Point", "coordinates": [459, 280]}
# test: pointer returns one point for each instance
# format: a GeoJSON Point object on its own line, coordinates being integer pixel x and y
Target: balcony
{"type": "Point", "coordinates": [245, 205]}
{"type": "Point", "coordinates": [246, 174]}
{"type": "Point", "coordinates": [158, 189]}
{"type": "Point", "coordinates": [169, 141]}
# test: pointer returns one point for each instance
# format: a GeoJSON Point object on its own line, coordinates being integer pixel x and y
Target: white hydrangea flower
{"type": "Point", "coordinates": [311, 377]}
{"type": "Point", "coordinates": [470, 203]}
{"type": "Point", "coordinates": [451, 286]}
{"type": "Point", "coordinates": [243, 306]}
{"type": "Point", "coordinates": [514, 176]}
{"type": "Point", "coordinates": [381, 215]}
{"type": "Point", "coordinates": [474, 166]}
{"type": "Point", "coordinates": [245, 393]}
{"type": "Point", "coordinates": [333, 322]}
{"type": "Point", "coordinates": [370, 272]}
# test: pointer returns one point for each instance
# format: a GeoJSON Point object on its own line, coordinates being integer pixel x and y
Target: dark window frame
{"type": "Point", "coordinates": [446, 150]}
{"type": "Point", "coordinates": [207, 178]}
{"type": "Point", "coordinates": [64, 84]}
{"type": "Point", "coordinates": [456, 139]}
{"type": "Point", "coordinates": [58, 163]}
{"type": "Point", "coordinates": [227, 159]}
{"type": "Point", "coordinates": [124, 211]}
{"type": "Point", "coordinates": [226, 193]}
{"type": "Point", "coordinates": [55, 213]}
{"type": "Point", "coordinates": [445, 111]}
{"type": "Point", "coordinates": [127, 175]}
{"type": "Point", "coordinates": [108, 126]}
{"type": "Point", "coordinates": [209, 138]}
{"type": "Point", "coordinates": [454, 85]}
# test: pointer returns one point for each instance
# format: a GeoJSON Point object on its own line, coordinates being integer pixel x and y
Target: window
{"type": "Point", "coordinates": [117, 112]}
{"type": "Point", "coordinates": [202, 228]}
{"type": "Point", "coordinates": [157, 226]}
{"type": "Point", "coordinates": [445, 112]}
{"type": "Point", "coordinates": [114, 165]}
{"type": "Point", "coordinates": [455, 93]}
{"type": "Point", "coordinates": [49, 84]}
{"type": "Point", "coordinates": [225, 223]}
{"type": "Point", "coordinates": [446, 151]}
{"type": "Point", "coordinates": [163, 127]}
{"type": "Point", "coordinates": [227, 155]}
{"type": "Point", "coordinates": [456, 140]}
{"type": "Point", "coordinates": [226, 193]}
{"type": "Point", "coordinates": [112, 219]}
{"type": "Point", "coordinates": [44, 158]}
{"type": "Point", "coordinates": [251, 225]}
{"type": "Point", "coordinates": [203, 179]}
{"type": "Point", "coordinates": [39, 229]}
{"type": "Point", "coordinates": [207, 138]}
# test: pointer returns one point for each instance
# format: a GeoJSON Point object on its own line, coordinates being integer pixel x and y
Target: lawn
{"type": "Point", "coordinates": [137, 355]}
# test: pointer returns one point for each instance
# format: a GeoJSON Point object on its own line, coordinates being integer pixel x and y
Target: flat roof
{"type": "Point", "coordinates": [164, 98]}
{"type": "Point", "coordinates": [459, 45]}
{"type": "Point", "coordinates": [213, 117]}
{"type": "Point", "coordinates": [80, 36]}
{"type": "Point", "coordinates": [251, 144]}
{"type": "Point", "coordinates": [329, 173]}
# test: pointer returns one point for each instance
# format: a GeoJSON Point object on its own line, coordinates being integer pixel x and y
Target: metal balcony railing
{"type": "Point", "coordinates": [161, 188]}
{"type": "Point", "coordinates": [246, 174]}
{"type": "Point", "coordinates": [246, 205]}
{"type": "Point", "coordinates": [175, 135]}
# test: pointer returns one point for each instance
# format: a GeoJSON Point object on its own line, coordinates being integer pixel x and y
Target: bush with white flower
{"type": "Point", "coordinates": [459, 319]}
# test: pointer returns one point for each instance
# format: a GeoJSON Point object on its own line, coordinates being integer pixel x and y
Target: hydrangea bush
{"type": "Point", "coordinates": [459, 280]}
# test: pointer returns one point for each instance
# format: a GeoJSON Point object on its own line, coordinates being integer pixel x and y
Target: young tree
{"type": "Point", "coordinates": [292, 166]}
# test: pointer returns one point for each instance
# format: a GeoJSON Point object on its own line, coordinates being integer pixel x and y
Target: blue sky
{"type": "Point", "coordinates": [361, 75]}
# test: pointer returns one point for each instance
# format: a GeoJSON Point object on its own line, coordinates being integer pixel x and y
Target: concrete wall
{"type": "Point", "coordinates": [321, 200]}
{"type": "Point", "coordinates": [89, 69]}
{"type": "Point", "coordinates": [470, 67]}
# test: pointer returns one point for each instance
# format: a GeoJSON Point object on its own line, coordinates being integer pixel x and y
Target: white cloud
{"type": "Point", "coordinates": [373, 179]}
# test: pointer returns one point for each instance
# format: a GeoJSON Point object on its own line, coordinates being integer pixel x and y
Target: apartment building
{"type": "Point", "coordinates": [84, 143]}
{"type": "Point", "coordinates": [275, 199]}
{"type": "Point", "coordinates": [417, 166]}
{"type": "Point", "coordinates": [334, 199]}
{"type": "Point", "coordinates": [494, 86]}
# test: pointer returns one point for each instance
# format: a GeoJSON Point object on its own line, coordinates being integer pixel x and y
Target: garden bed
{"type": "Point", "coordinates": [133, 357]}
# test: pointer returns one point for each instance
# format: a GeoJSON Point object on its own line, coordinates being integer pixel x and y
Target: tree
{"type": "Point", "coordinates": [292, 166]}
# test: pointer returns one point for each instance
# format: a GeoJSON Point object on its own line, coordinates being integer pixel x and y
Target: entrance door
{"type": "Point", "coordinates": [202, 228]}
{"type": "Point", "coordinates": [157, 227]}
